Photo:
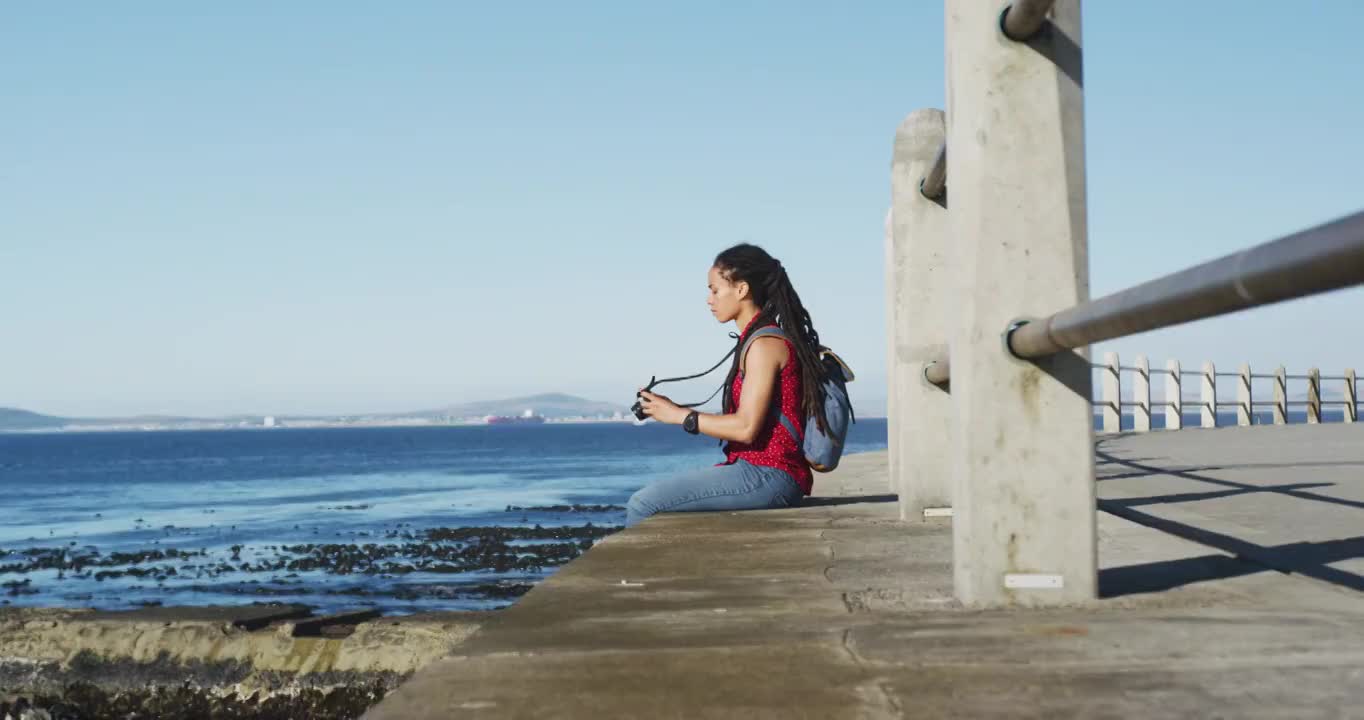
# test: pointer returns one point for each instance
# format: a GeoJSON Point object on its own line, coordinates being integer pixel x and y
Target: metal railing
{"type": "Point", "coordinates": [1022, 20]}
{"type": "Point", "coordinates": [1327, 257]}
{"type": "Point", "coordinates": [1113, 389]}
{"type": "Point", "coordinates": [993, 197]}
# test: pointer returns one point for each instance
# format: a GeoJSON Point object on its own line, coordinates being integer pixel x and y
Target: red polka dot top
{"type": "Point", "coordinates": [774, 446]}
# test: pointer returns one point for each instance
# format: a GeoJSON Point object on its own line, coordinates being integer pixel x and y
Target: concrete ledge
{"type": "Point", "coordinates": [839, 610]}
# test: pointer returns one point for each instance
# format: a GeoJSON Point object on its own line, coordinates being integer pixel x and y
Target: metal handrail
{"type": "Point", "coordinates": [1320, 259]}
{"type": "Point", "coordinates": [1021, 20]}
{"type": "Point", "coordinates": [1105, 366]}
{"type": "Point", "coordinates": [934, 182]}
{"type": "Point", "coordinates": [938, 372]}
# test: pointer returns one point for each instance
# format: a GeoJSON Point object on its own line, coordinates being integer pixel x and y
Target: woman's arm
{"type": "Point", "coordinates": [761, 369]}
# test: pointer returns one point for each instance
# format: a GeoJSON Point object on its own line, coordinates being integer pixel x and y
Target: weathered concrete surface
{"type": "Point", "coordinates": [839, 610]}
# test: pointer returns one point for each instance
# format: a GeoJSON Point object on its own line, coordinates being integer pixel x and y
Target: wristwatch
{"type": "Point", "coordinates": [689, 423]}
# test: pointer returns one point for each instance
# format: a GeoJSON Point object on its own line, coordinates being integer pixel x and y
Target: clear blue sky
{"type": "Point", "coordinates": [340, 207]}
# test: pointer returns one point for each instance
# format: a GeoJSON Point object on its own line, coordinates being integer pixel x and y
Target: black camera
{"type": "Point", "coordinates": [638, 407]}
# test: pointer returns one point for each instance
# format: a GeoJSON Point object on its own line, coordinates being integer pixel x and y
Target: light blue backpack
{"type": "Point", "coordinates": [822, 451]}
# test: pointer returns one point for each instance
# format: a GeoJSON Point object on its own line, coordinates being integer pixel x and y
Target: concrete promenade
{"type": "Point", "coordinates": [1232, 584]}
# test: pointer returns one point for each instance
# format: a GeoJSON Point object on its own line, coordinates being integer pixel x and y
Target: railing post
{"type": "Point", "coordinates": [1244, 402]}
{"type": "Point", "coordinates": [1313, 396]}
{"type": "Point", "coordinates": [1141, 395]}
{"type": "Point", "coordinates": [920, 295]}
{"type": "Point", "coordinates": [1208, 412]}
{"type": "Point", "coordinates": [1280, 396]}
{"type": "Point", "coordinates": [1112, 399]}
{"type": "Point", "coordinates": [1351, 399]}
{"type": "Point", "coordinates": [1174, 396]}
{"type": "Point", "coordinates": [1024, 507]}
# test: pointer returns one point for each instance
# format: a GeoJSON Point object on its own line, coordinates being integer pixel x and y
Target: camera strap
{"type": "Point", "coordinates": [655, 381]}
{"type": "Point", "coordinates": [765, 331]}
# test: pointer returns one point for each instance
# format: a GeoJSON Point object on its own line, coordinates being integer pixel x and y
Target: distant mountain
{"type": "Point", "coordinates": [550, 405]}
{"type": "Point", "coordinates": [15, 419]}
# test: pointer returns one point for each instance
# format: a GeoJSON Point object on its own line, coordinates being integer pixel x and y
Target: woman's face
{"type": "Point", "coordinates": [725, 296]}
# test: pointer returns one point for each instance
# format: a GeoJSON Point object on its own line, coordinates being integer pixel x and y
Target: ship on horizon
{"type": "Point", "coordinates": [526, 418]}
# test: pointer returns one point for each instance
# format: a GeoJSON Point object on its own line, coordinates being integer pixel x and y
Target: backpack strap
{"type": "Point", "coordinates": [774, 331]}
{"type": "Point", "coordinates": [766, 331]}
{"type": "Point", "coordinates": [797, 435]}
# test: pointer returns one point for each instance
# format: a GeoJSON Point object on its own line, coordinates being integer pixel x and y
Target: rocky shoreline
{"type": "Point", "coordinates": [259, 660]}
{"type": "Point", "coordinates": [262, 661]}
{"type": "Point", "coordinates": [418, 566]}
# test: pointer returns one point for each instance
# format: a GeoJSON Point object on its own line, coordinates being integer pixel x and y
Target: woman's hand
{"type": "Point", "coordinates": [661, 408]}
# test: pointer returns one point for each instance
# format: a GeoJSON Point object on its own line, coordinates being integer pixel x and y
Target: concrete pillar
{"type": "Point", "coordinates": [1280, 396]}
{"type": "Point", "coordinates": [921, 297]}
{"type": "Point", "coordinates": [1351, 399]}
{"type": "Point", "coordinates": [1244, 400]}
{"type": "Point", "coordinates": [1141, 395]}
{"type": "Point", "coordinates": [1208, 411]}
{"type": "Point", "coordinates": [893, 452]}
{"type": "Point", "coordinates": [1174, 396]}
{"type": "Point", "coordinates": [1023, 456]}
{"type": "Point", "coordinates": [1112, 398]}
{"type": "Point", "coordinates": [1313, 396]}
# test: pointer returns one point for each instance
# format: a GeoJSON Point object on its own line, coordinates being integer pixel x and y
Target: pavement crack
{"type": "Point", "coordinates": [852, 654]}
{"type": "Point", "coordinates": [833, 560]}
{"type": "Point", "coordinates": [888, 698]}
{"type": "Point", "coordinates": [877, 692]}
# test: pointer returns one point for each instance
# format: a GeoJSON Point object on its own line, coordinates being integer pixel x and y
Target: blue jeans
{"type": "Point", "coordinates": [740, 486]}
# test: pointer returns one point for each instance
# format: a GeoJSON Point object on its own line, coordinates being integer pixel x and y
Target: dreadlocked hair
{"type": "Point", "coordinates": [778, 304]}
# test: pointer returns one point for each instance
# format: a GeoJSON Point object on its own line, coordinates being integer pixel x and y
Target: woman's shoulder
{"type": "Point", "coordinates": [773, 348]}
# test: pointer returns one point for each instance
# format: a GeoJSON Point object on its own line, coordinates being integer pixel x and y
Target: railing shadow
{"type": "Point", "coordinates": [1053, 44]}
{"type": "Point", "coordinates": [1142, 470]}
{"type": "Point", "coordinates": [849, 500]}
{"type": "Point", "coordinates": [1211, 495]}
{"type": "Point", "coordinates": [1171, 574]}
{"type": "Point", "coordinates": [1109, 459]}
{"type": "Point", "coordinates": [1309, 559]}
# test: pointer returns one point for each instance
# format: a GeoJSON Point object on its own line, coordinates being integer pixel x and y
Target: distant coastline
{"type": "Point", "coordinates": [209, 426]}
{"type": "Point", "coordinates": [554, 408]}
